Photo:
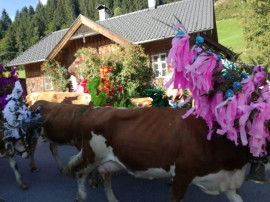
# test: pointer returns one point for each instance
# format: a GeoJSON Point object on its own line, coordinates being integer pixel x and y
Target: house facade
{"type": "Point", "coordinates": [151, 28]}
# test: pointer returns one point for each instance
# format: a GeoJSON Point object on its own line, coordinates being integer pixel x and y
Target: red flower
{"type": "Point", "coordinates": [120, 88]}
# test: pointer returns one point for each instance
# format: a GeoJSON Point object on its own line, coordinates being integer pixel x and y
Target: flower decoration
{"type": "Point", "coordinates": [20, 123]}
{"type": "Point", "coordinates": [102, 90]}
{"type": "Point", "coordinates": [237, 86]}
{"type": "Point", "coordinates": [199, 40]}
{"type": "Point", "coordinates": [229, 93]}
{"type": "Point", "coordinates": [7, 82]}
{"type": "Point", "coordinates": [231, 98]}
{"type": "Point", "coordinates": [179, 33]}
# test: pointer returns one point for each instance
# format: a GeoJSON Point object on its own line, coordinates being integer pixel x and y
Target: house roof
{"type": "Point", "coordinates": [137, 27]}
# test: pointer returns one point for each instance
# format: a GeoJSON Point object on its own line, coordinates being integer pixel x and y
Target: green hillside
{"type": "Point", "coordinates": [230, 34]}
{"type": "Point", "coordinates": [21, 74]}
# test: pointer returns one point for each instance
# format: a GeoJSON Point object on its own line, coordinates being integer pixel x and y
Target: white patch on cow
{"type": "Point", "coordinates": [152, 173]}
{"type": "Point", "coordinates": [108, 161]}
{"type": "Point", "coordinates": [221, 181]}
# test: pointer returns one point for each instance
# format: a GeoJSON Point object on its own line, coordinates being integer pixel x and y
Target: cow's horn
{"type": "Point", "coordinates": [257, 173]}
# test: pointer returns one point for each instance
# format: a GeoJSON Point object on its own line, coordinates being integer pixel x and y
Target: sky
{"type": "Point", "coordinates": [11, 6]}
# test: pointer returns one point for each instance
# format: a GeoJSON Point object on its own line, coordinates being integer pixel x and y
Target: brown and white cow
{"type": "Point", "coordinates": [156, 143]}
{"type": "Point", "coordinates": [61, 125]}
{"type": "Point", "coordinates": [60, 97]}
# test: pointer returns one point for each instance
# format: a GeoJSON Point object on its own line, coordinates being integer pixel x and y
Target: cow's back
{"type": "Point", "coordinates": [61, 120]}
{"type": "Point", "coordinates": [59, 97]}
{"type": "Point", "coordinates": [157, 137]}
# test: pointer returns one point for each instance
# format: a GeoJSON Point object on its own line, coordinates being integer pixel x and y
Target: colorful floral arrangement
{"type": "Point", "coordinates": [233, 99]}
{"type": "Point", "coordinates": [103, 91]}
{"type": "Point", "coordinates": [7, 81]}
{"type": "Point", "coordinates": [19, 122]}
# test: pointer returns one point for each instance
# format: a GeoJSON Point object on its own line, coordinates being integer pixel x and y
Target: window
{"type": "Point", "coordinates": [48, 84]}
{"type": "Point", "coordinates": [159, 65]}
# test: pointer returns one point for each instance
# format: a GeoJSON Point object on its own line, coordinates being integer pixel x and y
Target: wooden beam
{"type": "Point", "coordinates": [73, 28]}
{"type": "Point", "coordinates": [91, 24]}
{"type": "Point", "coordinates": [102, 30]}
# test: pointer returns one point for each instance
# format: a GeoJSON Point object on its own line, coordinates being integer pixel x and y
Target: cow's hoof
{"type": "Point", "coordinates": [34, 169]}
{"type": "Point", "coordinates": [78, 199]}
{"type": "Point", "coordinates": [23, 186]}
{"type": "Point", "coordinates": [66, 172]}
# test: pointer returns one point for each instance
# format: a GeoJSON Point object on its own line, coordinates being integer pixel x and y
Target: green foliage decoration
{"type": "Point", "coordinates": [160, 99]}
{"type": "Point", "coordinates": [57, 73]}
{"type": "Point", "coordinates": [98, 98]}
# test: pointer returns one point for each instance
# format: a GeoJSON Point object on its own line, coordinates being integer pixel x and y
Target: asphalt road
{"type": "Point", "coordinates": [48, 185]}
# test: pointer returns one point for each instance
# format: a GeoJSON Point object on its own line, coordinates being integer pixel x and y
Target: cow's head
{"type": "Point", "coordinates": [24, 143]}
{"type": "Point", "coordinates": [24, 146]}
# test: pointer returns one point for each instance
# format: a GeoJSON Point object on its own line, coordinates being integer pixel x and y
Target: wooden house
{"type": "Point", "coordinates": [151, 28]}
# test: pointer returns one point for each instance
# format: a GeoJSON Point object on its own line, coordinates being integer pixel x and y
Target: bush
{"type": "Point", "coordinates": [57, 73]}
{"type": "Point", "coordinates": [129, 69]}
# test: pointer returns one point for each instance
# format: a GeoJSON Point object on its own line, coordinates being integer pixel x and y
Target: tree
{"type": "Point", "coordinates": [7, 46]}
{"type": "Point", "coordinates": [257, 30]}
{"type": "Point", "coordinates": [40, 21]}
{"type": "Point", "coordinates": [5, 22]}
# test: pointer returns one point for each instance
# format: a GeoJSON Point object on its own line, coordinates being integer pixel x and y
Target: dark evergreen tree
{"type": "Point", "coordinates": [39, 20]}
{"type": "Point", "coordinates": [49, 16]}
{"type": "Point", "coordinates": [7, 46]}
{"type": "Point", "coordinates": [5, 22]}
{"type": "Point", "coordinates": [70, 11]}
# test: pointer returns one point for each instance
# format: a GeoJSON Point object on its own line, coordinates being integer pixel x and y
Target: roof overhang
{"type": "Point", "coordinates": [28, 63]}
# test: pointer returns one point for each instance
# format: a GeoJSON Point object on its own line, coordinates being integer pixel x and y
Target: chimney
{"type": "Point", "coordinates": [152, 4]}
{"type": "Point", "coordinates": [103, 12]}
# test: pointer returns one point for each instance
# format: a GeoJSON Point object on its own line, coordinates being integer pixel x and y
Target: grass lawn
{"type": "Point", "coordinates": [230, 34]}
{"type": "Point", "coordinates": [21, 74]}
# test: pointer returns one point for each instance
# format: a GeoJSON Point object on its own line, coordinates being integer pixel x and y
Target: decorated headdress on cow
{"type": "Point", "coordinates": [19, 121]}
{"type": "Point", "coordinates": [17, 91]}
{"type": "Point", "coordinates": [232, 98]}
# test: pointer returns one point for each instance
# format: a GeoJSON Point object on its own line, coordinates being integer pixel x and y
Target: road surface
{"type": "Point", "coordinates": [48, 185]}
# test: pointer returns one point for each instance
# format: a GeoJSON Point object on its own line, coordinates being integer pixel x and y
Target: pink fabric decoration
{"type": "Point", "coordinates": [179, 57]}
{"type": "Point", "coordinates": [194, 69]}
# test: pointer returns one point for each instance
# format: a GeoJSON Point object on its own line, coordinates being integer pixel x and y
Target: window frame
{"type": "Point", "coordinates": [159, 64]}
{"type": "Point", "coordinates": [48, 84]}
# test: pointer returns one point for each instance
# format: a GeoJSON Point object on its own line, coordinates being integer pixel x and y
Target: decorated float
{"type": "Point", "coordinates": [232, 98]}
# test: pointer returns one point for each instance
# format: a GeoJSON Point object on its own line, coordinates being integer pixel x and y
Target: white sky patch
{"type": "Point", "coordinates": [44, 2]}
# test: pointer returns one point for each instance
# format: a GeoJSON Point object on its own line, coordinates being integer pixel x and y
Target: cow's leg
{"type": "Point", "coordinates": [33, 166]}
{"type": "Point", "coordinates": [74, 162]}
{"type": "Point", "coordinates": [14, 166]}
{"type": "Point", "coordinates": [94, 179]}
{"type": "Point", "coordinates": [233, 196]}
{"type": "Point", "coordinates": [108, 188]}
{"type": "Point", "coordinates": [180, 185]}
{"type": "Point", "coordinates": [81, 176]}
{"type": "Point", "coordinates": [54, 150]}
